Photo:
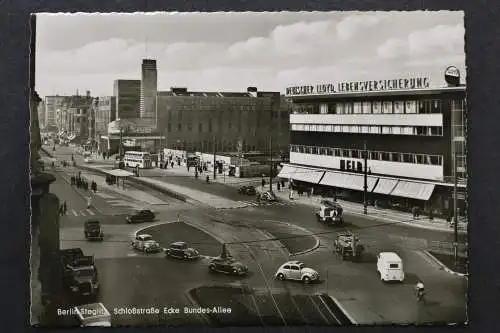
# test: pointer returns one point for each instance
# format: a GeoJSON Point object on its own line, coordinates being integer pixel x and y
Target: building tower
{"type": "Point", "coordinates": [149, 81]}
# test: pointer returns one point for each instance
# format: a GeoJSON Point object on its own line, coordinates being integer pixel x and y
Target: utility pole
{"type": "Point", "coordinates": [271, 164]}
{"type": "Point", "coordinates": [365, 186]}
{"type": "Point", "coordinates": [455, 208]}
{"type": "Point", "coordinates": [215, 160]}
{"type": "Point", "coordinates": [120, 149]}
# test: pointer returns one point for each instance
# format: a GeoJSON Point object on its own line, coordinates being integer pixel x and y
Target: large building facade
{"type": "Point", "coordinates": [149, 82]}
{"type": "Point", "coordinates": [413, 137]}
{"type": "Point", "coordinates": [52, 104]}
{"type": "Point", "coordinates": [127, 94]}
{"type": "Point", "coordinates": [223, 121]}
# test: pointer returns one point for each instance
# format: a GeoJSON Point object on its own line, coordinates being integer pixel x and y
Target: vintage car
{"type": "Point", "coordinates": [227, 265]}
{"type": "Point", "coordinates": [330, 213]}
{"type": "Point", "coordinates": [296, 270]}
{"type": "Point", "coordinates": [145, 243]}
{"type": "Point", "coordinates": [181, 250]}
{"type": "Point", "coordinates": [92, 230]}
{"type": "Point", "coordinates": [247, 190]}
{"type": "Point", "coordinates": [144, 215]}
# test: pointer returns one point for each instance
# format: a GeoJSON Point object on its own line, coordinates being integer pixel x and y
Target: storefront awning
{"type": "Point", "coordinates": [286, 172]}
{"type": "Point", "coordinates": [413, 190]}
{"type": "Point", "coordinates": [347, 180]}
{"type": "Point", "coordinates": [312, 176]}
{"type": "Point", "coordinates": [385, 186]}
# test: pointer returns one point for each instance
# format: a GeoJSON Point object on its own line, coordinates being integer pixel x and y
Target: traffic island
{"type": "Point", "coordinates": [238, 306]}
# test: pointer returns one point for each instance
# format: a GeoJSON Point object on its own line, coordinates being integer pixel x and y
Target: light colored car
{"type": "Point", "coordinates": [296, 270]}
{"type": "Point", "coordinates": [88, 160]}
{"type": "Point", "coordinates": [145, 243]}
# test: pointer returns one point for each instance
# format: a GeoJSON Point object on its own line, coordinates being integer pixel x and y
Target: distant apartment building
{"type": "Point", "coordinates": [41, 114]}
{"type": "Point", "coordinates": [224, 121]}
{"type": "Point", "coordinates": [149, 81]}
{"type": "Point", "coordinates": [52, 104]}
{"type": "Point", "coordinates": [104, 114]}
{"type": "Point", "coordinates": [73, 116]}
{"type": "Point", "coordinates": [127, 95]}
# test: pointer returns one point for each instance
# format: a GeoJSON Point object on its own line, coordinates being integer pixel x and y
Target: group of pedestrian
{"type": "Point", "coordinates": [63, 208]}
{"type": "Point", "coordinates": [416, 212]}
{"type": "Point", "coordinates": [81, 182]}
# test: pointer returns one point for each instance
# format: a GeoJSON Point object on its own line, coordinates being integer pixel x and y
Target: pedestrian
{"type": "Point", "coordinates": [290, 196]}
{"type": "Point", "coordinates": [65, 208]}
{"type": "Point", "coordinates": [279, 186]}
{"type": "Point", "coordinates": [89, 202]}
{"type": "Point", "coordinates": [283, 183]}
{"type": "Point", "coordinates": [431, 213]}
{"type": "Point", "coordinates": [172, 164]}
{"type": "Point", "coordinates": [263, 182]}
{"type": "Point", "coordinates": [414, 212]}
{"type": "Point", "coordinates": [61, 210]}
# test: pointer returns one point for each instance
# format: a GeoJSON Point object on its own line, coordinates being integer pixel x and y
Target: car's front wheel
{"type": "Point", "coordinates": [306, 279]}
{"type": "Point", "coordinates": [211, 268]}
{"type": "Point", "coordinates": [280, 276]}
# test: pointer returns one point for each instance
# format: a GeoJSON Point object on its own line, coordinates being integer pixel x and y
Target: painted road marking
{"type": "Point", "coordinates": [74, 212]}
{"type": "Point", "coordinates": [90, 212]}
{"type": "Point", "coordinates": [82, 213]}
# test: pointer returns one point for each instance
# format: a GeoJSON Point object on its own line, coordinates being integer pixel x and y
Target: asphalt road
{"type": "Point", "coordinates": [146, 279]}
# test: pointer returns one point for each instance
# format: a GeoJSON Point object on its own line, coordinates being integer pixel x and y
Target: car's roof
{"type": "Point", "coordinates": [293, 262]}
{"type": "Point", "coordinates": [179, 243]}
{"type": "Point", "coordinates": [389, 255]}
{"type": "Point", "coordinates": [144, 235]}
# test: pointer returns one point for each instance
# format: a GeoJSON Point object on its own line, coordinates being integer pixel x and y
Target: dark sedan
{"type": "Point", "coordinates": [227, 266]}
{"type": "Point", "coordinates": [247, 190]}
{"type": "Point", "coordinates": [141, 216]}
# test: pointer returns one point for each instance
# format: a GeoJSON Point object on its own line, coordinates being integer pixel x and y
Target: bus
{"type": "Point", "coordinates": [139, 159]}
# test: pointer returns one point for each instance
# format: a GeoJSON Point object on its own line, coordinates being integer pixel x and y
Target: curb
{"type": "Point", "coordinates": [443, 266]}
{"type": "Point", "coordinates": [308, 234]}
{"type": "Point", "coordinates": [347, 314]}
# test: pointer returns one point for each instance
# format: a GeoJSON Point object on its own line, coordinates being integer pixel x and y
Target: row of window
{"type": "Point", "coordinates": [371, 129]}
{"type": "Point", "coordinates": [368, 107]}
{"type": "Point", "coordinates": [208, 127]}
{"type": "Point", "coordinates": [372, 155]}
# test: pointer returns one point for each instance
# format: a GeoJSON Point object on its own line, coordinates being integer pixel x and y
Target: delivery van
{"type": "Point", "coordinates": [390, 267]}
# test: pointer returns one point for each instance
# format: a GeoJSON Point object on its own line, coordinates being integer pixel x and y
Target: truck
{"type": "Point", "coordinates": [347, 246]}
{"type": "Point", "coordinates": [80, 277]}
{"type": "Point", "coordinates": [92, 230]}
{"type": "Point", "coordinates": [330, 213]}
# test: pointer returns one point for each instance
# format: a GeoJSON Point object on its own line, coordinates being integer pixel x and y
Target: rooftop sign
{"type": "Point", "coordinates": [359, 86]}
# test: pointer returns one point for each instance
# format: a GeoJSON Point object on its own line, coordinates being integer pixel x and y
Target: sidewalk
{"type": "Point", "coordinates": [388, 215]}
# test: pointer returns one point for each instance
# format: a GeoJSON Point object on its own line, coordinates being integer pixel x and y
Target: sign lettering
{"type": "Point", "coordinates": [359, 86]}
{"type": "Point", "coordinates": [350, 165]}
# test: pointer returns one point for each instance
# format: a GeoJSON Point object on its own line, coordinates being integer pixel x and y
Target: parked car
{"type": "Point", "coordinates": [145, 243]}
{"type": "Point", "coordinates": [181, 250]}
{"type": "Point", "coordinates": [227, 265]}
{"type": "Point", "coordinates": [296, 270]}
{"type": "Point", "coordinates": [144, 215]}
{"type": "Point", "coordinates": [247, 190]}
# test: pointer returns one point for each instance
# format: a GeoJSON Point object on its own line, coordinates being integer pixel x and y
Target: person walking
{"type": "Point", "coordinates": [89, 202]}
{"type": "Point", "coordinates": [65, 208]}
{"type": "Point", "coordinates": [263, 182]}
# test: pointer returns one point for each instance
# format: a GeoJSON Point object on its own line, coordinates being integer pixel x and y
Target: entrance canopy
{"type": "Point", "coordinates": [413, 190]}
{"type": "Point", "coordinates": [302, 174]}
{"type": "Point", "coordinates": [348, 181]}
{"type": "Point", "coordinates": [119, 173]}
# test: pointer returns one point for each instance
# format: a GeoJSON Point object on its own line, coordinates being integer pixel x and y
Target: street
{"type": "Point", "coordinates": [262, 237]}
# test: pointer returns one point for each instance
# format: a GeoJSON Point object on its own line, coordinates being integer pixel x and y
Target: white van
{"type": "Point", "coordinates": [390, 267]}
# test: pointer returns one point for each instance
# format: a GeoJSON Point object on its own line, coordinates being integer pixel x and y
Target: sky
{"type": "Point", "coordinates": [232, 51]}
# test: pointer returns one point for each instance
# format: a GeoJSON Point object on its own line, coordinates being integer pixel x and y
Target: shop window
{"type": "Point", "coordinates": [348, 108]}
{"type": "Point", "coordinates": [395, 157]}
{"type": "Point", "coordinates": [323, 108]}
{"type": "Point", "coordinates": [331, 108]}
{"type": "Point", "coordinates": [337, 128]}
{"type": "Point", "coordinates": [419, 159]}
{"type": "Point", "coordinates": [386, 130]}
{"type": "Point", "coordinates": [365, 129]}
{"type": "Point", "coordinates": [355, 154]}
{"type": "Point", "coordinates": [346, 153]}
{"type": "Point", "coordinates": [357, 107]}
{"type": "Point", "coordinates": [329, 151]}
{"type": "Point", "coordinates": [375, 129]}
{"type": "Point", "coordinates": [366, 107]}
{"type": "Point", "coordinates": [308, 150]}
{"type": "Point", "coordinates": [397, 130]}
{"type": "Point", "coordinates": [377, 107]}
{"type": "Point", "coordinates": [411, 107]}
{"type": "Point", "coordinates": [420, 130]}
{"type": "Point", "coordinates": [385, 156]}
{"type": "Point", "coordinates": [374, 155]}
{"type": "Point", "coordinates": [314, 150]}
{"type": "Point", "coordinates": [387, 107]}
{"type": "Point", "coordinates": [408, 158]}
{"type": "Point", "coordinates": [301, 149]}
{"type": "Point", "coordinates": [435, 106]}
{"type": "Point", "coordinates": [399, 107]}
{"type": "Point", "coordinates": [434, 159]}
{"type": "Point", "coordinates": [336, 152]}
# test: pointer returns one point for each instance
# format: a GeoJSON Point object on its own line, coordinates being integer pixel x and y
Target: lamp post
{"type": "Point", "coordinates": [365, 185]}
{"type": "Point", "coordinates": [455, 208]}
{"type": "Point", "coordinates": [271, 164]}
{"type": "Point", "coordinates": [215, 159]}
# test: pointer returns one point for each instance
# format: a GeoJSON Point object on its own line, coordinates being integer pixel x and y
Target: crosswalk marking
{"type": "Point", "coordinates": [90, 212]}
{"type": "Point", "coordinates": [255, 204]}
{"type": "Point", "coordinates": [74, 212]}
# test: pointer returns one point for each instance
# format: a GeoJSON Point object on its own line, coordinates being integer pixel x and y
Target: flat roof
{"type": "Point", "coordinates": [398, 92]}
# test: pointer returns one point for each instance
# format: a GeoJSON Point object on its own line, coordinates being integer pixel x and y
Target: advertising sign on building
{"type": "Point", "coordinates": [452, 76]}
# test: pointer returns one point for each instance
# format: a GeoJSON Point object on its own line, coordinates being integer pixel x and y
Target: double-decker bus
{"type": "Point", "coordinates": [139, 159]}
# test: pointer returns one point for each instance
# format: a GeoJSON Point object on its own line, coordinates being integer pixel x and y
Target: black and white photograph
{"type": "Point", "coordinates": [260, 169]}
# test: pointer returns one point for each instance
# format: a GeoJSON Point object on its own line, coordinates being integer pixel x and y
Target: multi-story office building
{"type": "Point", "coordinates": [52, 104]}
{"type": "Point", "coordinates": [413, 137]}
{"type": "Point", "coordinates": [149, 81]}
{"type": "Point", "coordinates": [224, 121]}
{"type": "Point", "coordinates": [127, 94]}
{"type": "Point", "coordinates": [104, 114]}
